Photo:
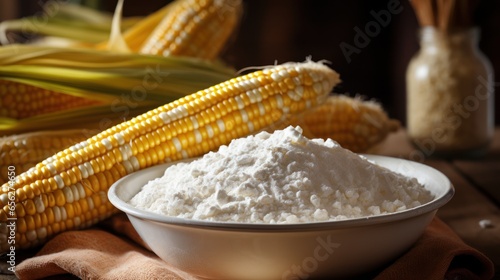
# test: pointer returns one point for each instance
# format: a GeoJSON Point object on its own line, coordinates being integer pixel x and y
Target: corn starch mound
{"type": "Point", "coordinates": [282, 177]}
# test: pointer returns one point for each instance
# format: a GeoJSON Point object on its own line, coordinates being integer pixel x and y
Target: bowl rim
{"type": "Point", "coordinates": [428, 207]}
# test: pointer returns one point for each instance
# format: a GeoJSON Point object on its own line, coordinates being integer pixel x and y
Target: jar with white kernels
{"type": "Point", "coordinates": [450, 107]}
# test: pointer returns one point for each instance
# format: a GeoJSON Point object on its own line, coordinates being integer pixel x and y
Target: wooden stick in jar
{"type": "Point", "coordinates": [425, 11]}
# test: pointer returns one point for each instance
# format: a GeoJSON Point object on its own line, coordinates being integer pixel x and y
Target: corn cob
{"type": "Point", "coordinates": [355, 124]}
{"type": "Point", "coordinates": [197, 28]}
{"type": "Point", "coordinates": [24, 151]}
{"type": "Point", "coordinates": [19, 101]}
{"type": "Point", "coordinates": [69, 190]}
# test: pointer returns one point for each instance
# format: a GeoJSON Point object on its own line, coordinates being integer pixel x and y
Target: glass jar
{"type": "Point", "coordinates": [450, 107]}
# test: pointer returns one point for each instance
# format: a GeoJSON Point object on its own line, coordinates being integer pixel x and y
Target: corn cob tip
{"type": "Point", "coordinates": [323, 77]}
{"type": "Point", "coordinates": [320, 66]}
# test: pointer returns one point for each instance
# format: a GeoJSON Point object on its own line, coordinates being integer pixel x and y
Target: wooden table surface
{"type": "Point", "coordinates": [477, 193]}
{"type": "Point", "coordinates": [476, 202]}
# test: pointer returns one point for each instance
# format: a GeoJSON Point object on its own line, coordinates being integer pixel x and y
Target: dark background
{"type": "Point", "coordinates": [291, 30]}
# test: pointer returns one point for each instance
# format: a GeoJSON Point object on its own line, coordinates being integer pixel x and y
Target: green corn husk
{"type": "Point", "coordinates": [74, 25]}
{"type": "Point", "coordinates": [62, 21]}
{"type": "Point", "coordinates": [126, 84]}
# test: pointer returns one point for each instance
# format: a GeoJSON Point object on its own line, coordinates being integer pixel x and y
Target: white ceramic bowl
{"type": "Point", "coordinates": [292, 251]}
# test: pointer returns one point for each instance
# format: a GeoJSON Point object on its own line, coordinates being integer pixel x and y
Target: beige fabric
{"type": "Point", "coordinates": [115, 251]}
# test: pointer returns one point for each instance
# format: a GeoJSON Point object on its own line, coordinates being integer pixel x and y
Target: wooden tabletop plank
{"type": "Point", "coordinates": [397, 145]}
{"type": "Point", "coordinates": [477, 184]}
{"type": "Point", "coordinates": [485, 175]}
{"type": "Point", "coordinates": [467, 210]}
{"type": "Point", "coordinates": [484, 172]}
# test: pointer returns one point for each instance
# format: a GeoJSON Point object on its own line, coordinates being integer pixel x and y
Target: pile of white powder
{"type": "Point", "coordinates": [282, 177]}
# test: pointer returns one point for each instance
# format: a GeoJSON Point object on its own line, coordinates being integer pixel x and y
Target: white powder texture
{"type": "Point", "coordinates": [281, 177]}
